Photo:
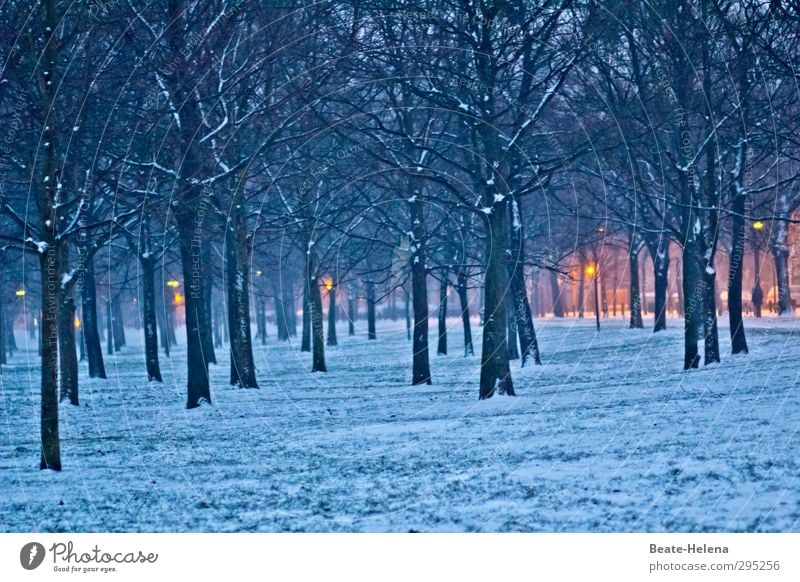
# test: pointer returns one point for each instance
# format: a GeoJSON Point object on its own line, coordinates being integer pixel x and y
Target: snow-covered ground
{"type": "Point", "coordinates": [608, 435]}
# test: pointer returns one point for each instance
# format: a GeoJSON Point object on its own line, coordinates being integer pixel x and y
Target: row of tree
{"type": "Point", "coordinates": [384, 143]}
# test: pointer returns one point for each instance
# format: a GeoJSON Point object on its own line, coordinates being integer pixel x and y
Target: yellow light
{"type": "Point", "coordinates": [178, 299]}
{"type": "Point", "coordinates": [590, 270]}
{"type": "Point", "coordinates": [20, 293]}
{"type": "Point", "coordinates": [77, 323]}
{"type": "Point", "coordinates": [758, 225]}
{"type": "Point", "coordinates": [328, 284]}
{"type": "Point", "coordinates": [173, 283]}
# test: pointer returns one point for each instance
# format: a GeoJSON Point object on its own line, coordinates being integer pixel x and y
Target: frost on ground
{"type": "Point", "coordinates": [608, 435]}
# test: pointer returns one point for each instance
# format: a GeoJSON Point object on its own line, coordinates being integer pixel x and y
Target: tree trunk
{"type": "Point", "coordinates": [711, 339]}
{"type": "Point", "coordinates": [149, 318]}
{"type": "Point", "coordinates": [421, 370]}
{"type": "Point", "coordinates": [305, 345]}
{"type": "Point", "coordinates": [461, 287]}
{"type": "Point", "coordinates": [441, 348]}
{"type": "Point", "coordinates": [332, 340]}
{"type": "Point", "coordinates": [289, 308]}
{"type": "Point", "coordinates": [50, 269]}
{"type": "Point", "coordinates": [693, 303]}
{"type": "Point", "coordinates": [218, 316]}
{"type": "Point", "coordinates": [118, 324]}
{"type": "Point", "coordinates": [735, 271]}
{"type": "Point", "coordinates": [237, 271]}
{"type": "Point", "coordinates": [205, 331]}
{"type": "Point", "coordinates": [3, 314]}
{"type": "Point", "coordinates": [511, 336]}
{"type": "Point", "coordinates": [555, 291]}
{"type": "Point", "coordinates": [658, 247]}
{"type": "Point", "coordinates": [315, 314]}
{"type": "Point", "coordinates": [495, 370]}
{"type": "Point", "coordinates": [67, 349]}
{"type": "Point", "coordinates": [91, 335]}
{"type": "Point", "coordinates": [261, 320]}
{"type": "Point", "coordinates": [520, 307]}
{"type": "Point", "coordinates": [109, 329]}
{"type": "Point", "coordinates": [582, 289]}
{"type": "Point", "coordinates": [407, 310]}
{"type": "Point", "coordinates": [780, 253]}
{"type": "Point", "coordinates": [351, 310]}
{"type": "Point", "coordinates": [371, 331]}
{"type": "Point", "coordinates": [758, 293]}
{"type": "Point", "coordinates": [281, 320]}
{"type": "Point", "coordinates": [189, 219]}
{"type": "Point", "coordinates": [161, 316]}
{"type": "Point", "coordinates": [635, 299]}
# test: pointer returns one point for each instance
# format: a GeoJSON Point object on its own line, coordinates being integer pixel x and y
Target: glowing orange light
{"type": "Point", "coordinates": [178, 299]}
{"type": "Point", "coordinates": [20, 293]}
{"type": "Point", "coordinates": [591, 270]}
{"type": "Point", "coordinates": [173, 283]}
{"type": "Point", "coordinates": [328, 284]}
{"type": "Point", "coordinates": [77, 323]}
{"type": "Point", "coordinates": [758, 225]}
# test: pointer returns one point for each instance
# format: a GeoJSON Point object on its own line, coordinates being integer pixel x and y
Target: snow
{"type": "Point", "coordinates": [608, 435]}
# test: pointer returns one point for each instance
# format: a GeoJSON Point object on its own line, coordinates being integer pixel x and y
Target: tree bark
{"type": "Point", "coordinates": [461, 287]}
{"type": "Point", "coordinates": [67, 349]}
{"type": "Point", "coordinates": [149, 317]}
{"type": "Point", "coordinates": [555, 291]}
{"type": "Point", "coordinates": [50, 269]}
{"type": "Point", "coordinates": [421, 371]}
{"type": "Point", "coordinates": [206, 335]}
{"type": "Point", "coordinates": [351, 310]}
{"type": "Point", "coordinates": [735, 271]}
{"type": "Point", "coordinates": [281, 320]}
{"type": "Point", "coordinates": [315, 314]}
{"type": "Point", "coordinates": [520, 307]}
{"type": "Point", "coordinates": [658, 248]}
{"type": "Point", "coordinates": [635, 299]}
{"type": "Point", "coordinates": [511, 336]}
{"type": "Point", "coordinates": [261, 320]}
{"type": "Point", "coordinates": [109, 329]}
{"type": "Point", "coordinates": [161, 315]}
{"type": "Point", "coordinates": [780, 254]}
{"type": "Point", "coordinates": [189, 219]}
{"type": "Point", "coordinates": [332, 340]}
{"type": "Point", "coordinates": [237, 270]}
{"type": "Point", "coordinates": [407, 311]}
{"type": "Point", "coordinates": [91, 335]}
{"type": "Point", "coordinates": [441, 348]}
{"type": "Point", "coordinates": [3, 314]}
{"type": "Point", "coordinates": [495, 370]}
{"type": "Point", "coordinates": [693, 302]}
{"type": "Point", "coordinates": [49, 263]}
{"type": "Point", "coordinates": [305, 344]}
{"type": "Point", "coordinates": [371, 330]}
{"type": "Point", "coordinates": [118, 324]}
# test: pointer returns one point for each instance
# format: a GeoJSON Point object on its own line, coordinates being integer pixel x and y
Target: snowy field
{"type": "Point", "coordinates": [608, 435]}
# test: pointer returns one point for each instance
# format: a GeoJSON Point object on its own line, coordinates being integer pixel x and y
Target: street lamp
{"type": "Point", "coordinates": [173, 283]}
{"type": "Point", "coordinates": [591, 271]}
{"type": "Point", "coordinates": [757, 296]}
{"type": "Point", "coordinates": [20, 293]}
